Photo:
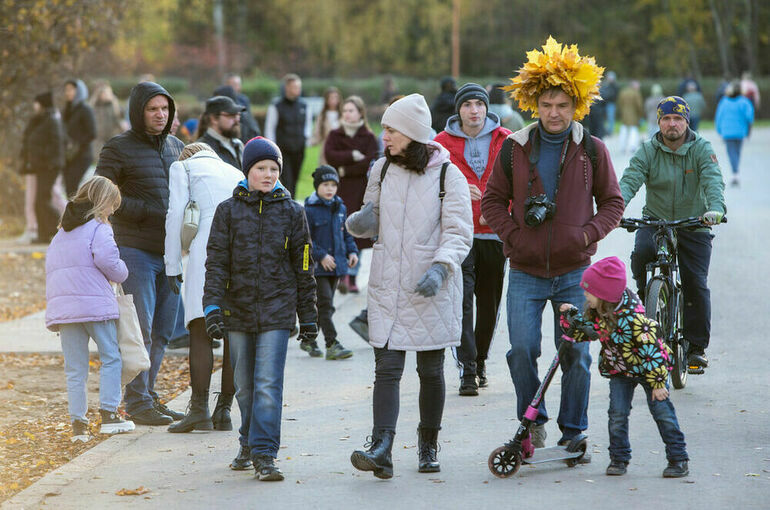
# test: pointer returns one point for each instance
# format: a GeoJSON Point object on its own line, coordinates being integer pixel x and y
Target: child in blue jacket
{"type": "Point", "coordinates": [633, 353]}
{"type": "Point", "coordinates": [334, 251]}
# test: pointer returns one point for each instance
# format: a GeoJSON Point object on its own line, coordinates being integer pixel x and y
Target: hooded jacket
{"type": "Point", "coordinates": [80, 124]}
{"type": "Point", "coordinates": [416, 230]}
{"type": "Point", "coordinates": [680, 184]}
{"type": "Point", "coordinates": [139, 164]}
{"type": "Point", "coordinates": [474, 154]}
{"type": "Point", "coordinates": [81, 261]}
{"type": "Point", "coordinates": [42, 149]}
{"type": "Point", "coordinates": [326, 219]}
{"type": "Point", "coordinates": [634, 349]}
{"type": "Point", "coordinates": [558, 245]}
{"type": "Point", "coordinates": [259, 266]}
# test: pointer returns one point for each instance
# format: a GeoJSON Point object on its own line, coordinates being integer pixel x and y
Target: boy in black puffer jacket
{"type": "Point", "coordinates": [334, 250]}
{"type": "Point", "coordinates": [259, 277]}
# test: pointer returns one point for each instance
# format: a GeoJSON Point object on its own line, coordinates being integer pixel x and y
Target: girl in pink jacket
{"type": "Point", "coordinates": [81, 262]}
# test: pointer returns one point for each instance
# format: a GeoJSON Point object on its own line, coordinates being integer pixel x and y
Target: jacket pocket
{"type": "Point", "coordinates": [377, 269]}
{"type": "Point", "coordinates": [567, 243]}
{"type": "Point", "coordinates": [420, 261]}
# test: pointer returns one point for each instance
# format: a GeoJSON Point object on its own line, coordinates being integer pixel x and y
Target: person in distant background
{"type": "Point", "coordinates": [109, 118]}
{"type": "Point", "coordinates": [733, 120]}
{"type": "Point", "coordinates": [444, 105]}
{"type": "Point", "coordinates": [80, 125]}
{"type": "Point", "coordinates": [289, 124]}
{"type": "Point", "coordinates": [328, 120]}
{"type": "Point", "coordinates": [498, 104]}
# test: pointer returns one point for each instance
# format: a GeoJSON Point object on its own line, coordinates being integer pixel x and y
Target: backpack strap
{"type": "Point", "coordinates": [590, 147]}
{"type": "Point", "coordinates": [506, 158]}
{"type": "Point", "coordinates": [442, 178]}
{"type": "Point", "coordinates": [384, 170]}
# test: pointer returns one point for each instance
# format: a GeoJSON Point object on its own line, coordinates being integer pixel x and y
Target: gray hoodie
{"type": "Point", "coordinates": [476, 151]}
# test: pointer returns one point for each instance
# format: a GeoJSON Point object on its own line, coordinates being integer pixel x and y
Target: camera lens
{"type": "Point", "coordinates": [535, 216]}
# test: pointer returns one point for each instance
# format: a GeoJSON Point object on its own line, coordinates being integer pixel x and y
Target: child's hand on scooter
{"type": "Point", "coordinates": [660, 394]}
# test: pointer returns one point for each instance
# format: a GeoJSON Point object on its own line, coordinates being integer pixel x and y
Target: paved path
{"type": "Point", "coordinates": [327, 414]}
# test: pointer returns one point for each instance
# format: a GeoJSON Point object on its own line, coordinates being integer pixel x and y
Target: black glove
{"type": "Point", "coordinates": [173, 282]}
{"type": "Point", "coordinates": [215, 323]}
{"type": "Point", "coordinates": [308, 331]}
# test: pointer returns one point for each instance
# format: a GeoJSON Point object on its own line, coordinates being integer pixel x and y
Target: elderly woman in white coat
{"type": "Point", "coordinates": [415, 285]}
{"type": "Point", "coordinates": [199, 175]}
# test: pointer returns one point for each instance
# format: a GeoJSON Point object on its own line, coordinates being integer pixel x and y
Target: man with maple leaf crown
{"type": "Point", "coordinates": [549, 174]}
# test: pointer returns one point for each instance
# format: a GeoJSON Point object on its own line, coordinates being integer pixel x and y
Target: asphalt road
{"type": "Point", "coordinates": [327, 414]}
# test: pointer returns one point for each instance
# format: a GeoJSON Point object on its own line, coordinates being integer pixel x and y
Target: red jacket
{"type": "Point", "coordinates": [558, 245]}
{"type": "Point", "coordinates": [456, 147]}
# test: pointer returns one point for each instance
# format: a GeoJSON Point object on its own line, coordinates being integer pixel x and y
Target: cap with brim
{"type": "Point", "coordinates": [223, 104]}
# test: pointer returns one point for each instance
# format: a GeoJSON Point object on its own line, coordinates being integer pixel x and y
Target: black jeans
{"type": "Point", "coordinates": [389, 366]}
{"type": "Point", "coordinates": [483, 274]}
{"type": "Point", "coordinates": [292, 165]}
{"type": "Point", "coordinates": [694, 255]}
{"type": "Point", "coordinates": [47, 215]}
{"type": "Point", "coordinates": [325, 287]}
{"type": "Point", "coordinates": [75, 169]}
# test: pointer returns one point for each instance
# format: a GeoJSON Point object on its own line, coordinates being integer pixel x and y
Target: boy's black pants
{"type": "Point", "coordinates": [483, 274]}
{"type": "Point", "coordinates": [325, 288]}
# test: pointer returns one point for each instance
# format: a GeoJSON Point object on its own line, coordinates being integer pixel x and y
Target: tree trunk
{"type": "Point", "coordinates": [721, 42]}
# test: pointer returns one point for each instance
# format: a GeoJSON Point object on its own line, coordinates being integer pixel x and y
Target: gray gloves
{"type": "Point", "coordinates": [432, 280]}
{"type": "Point", "coordinates": [363, 221]}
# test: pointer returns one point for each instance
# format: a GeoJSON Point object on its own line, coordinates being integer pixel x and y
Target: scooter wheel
{"type": "Point", "coordinates": [503, 463]}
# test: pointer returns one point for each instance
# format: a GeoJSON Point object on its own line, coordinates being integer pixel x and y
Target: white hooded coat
{"type": "Point", "coordinates": [416, 230]}
{"type": "Point", "coordinates": [211, 182]}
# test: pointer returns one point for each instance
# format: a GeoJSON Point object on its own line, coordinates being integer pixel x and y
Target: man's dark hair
{"type": "Point", "coordinates": [496, 94]}
{"type": "Point", "coordinates": [203, 124]}
{"type": "Point", "coordinates": [415, 157]}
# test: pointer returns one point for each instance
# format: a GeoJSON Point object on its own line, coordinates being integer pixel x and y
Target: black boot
{"type": "Point", "coordinates": [243, 461]}
{"type": "Point", "coordinates": [221, 415]}
{"type": "Point", "coordinates": [377, 458]}
{"type": "Point", "coordinates": [481, 371]}
{"type": "Point", "coordinates": [197, 417]}
{"type": "Point", "coordinates": [427, 449]}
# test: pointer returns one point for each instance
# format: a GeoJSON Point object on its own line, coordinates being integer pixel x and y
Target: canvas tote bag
{"type": "Point", "coordinates": [192, 216]}
{"type": "Point", "coordinates": [130, 340]}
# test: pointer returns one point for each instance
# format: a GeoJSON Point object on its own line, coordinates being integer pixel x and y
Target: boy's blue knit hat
{"type": "Point", "coordinates": [675, 105]}
{"type": "Point", "coordinates": [257, 149]}
{"type": "Point", "coordinates": [325, 173]}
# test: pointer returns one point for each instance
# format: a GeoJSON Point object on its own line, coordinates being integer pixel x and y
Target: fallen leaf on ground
{"type": "Point", "coordinates": [133, 492]}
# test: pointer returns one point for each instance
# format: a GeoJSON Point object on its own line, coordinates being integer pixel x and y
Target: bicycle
{"type": "Point", "coordinates": [663, 300]}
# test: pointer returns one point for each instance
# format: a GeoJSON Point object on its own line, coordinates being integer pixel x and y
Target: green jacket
{"type": "Point", "coordinates": [680, 184]}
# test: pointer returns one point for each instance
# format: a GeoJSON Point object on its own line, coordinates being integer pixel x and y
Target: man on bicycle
{"type": "Point", "coordinates": [680, 172]}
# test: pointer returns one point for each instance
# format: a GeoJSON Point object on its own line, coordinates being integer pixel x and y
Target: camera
{"type": "Point", "coordinates": [538, 209]}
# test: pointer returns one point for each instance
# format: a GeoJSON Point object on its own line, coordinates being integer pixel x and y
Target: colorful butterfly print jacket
{"type": "Point", "coordinates": [634, 349]}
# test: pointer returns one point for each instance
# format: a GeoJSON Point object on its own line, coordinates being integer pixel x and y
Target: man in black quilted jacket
{"type": "Point", "coordinates": [138, 162]}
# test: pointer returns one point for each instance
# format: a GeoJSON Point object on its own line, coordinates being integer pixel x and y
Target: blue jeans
{"type": "Point", "coordinates": [527, 296]}
{"type": "Point", "coordinates": [734, 153]}
{"type": "Point", "coordinates": [609, 109]}
{"type": "Point", "coordinates": [74, 345]}
{"type": "Point", "coordinates": [258, 361]}
{"type": "Point", "coordinates": [621, 395]}
{"type": "Point", "coordinates": [156, 307]}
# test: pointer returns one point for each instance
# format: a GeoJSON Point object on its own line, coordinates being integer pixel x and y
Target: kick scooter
{"type": "Point", "coordinates": [506, 460]}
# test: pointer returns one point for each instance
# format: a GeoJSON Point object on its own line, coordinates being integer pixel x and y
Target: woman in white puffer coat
{"type": "Point", "coordinates": [415, 283]}
{"type": "Point", "coordinates": [202, 176]}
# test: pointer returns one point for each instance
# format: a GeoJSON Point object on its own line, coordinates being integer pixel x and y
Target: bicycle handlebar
{"type": "Point", "coordinates": [632, 224]}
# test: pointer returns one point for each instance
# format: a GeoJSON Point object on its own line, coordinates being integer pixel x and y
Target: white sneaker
{"type": "Point", "coordinates": [112, 423]}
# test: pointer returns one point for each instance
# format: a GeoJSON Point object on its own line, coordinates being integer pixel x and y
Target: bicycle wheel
{"type": "Point", "coordinates": [680, 370]}
{"type": "Point", "coordinates": [657, 308]}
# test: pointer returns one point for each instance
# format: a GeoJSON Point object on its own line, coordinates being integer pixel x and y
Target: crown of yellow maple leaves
{"type": "Point", "coordinates": [557, 66]}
